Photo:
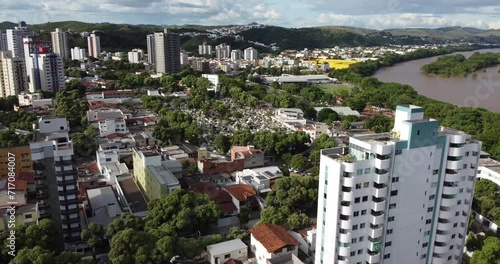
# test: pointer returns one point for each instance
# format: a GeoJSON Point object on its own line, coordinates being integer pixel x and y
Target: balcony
{"type": "Point", "coordinates": [380, 190]}
{"type": "Point", "coordinates": [454, 164]}
{"type": "Point", "coordinates": [68, 221]}
{"type": "Point", "coordinates": [42, 206]}
{"type": "Point", "coordinates": [44, 215]}
{"type": "Point", "coordinates": [345, 208]}
{"type": "Point", "coordinates": [67, 192]}
{"type": "Point", "coordinates": [450, 190]}
{"type": "Point", "coordinates": [441, 248]}
{"type": "Point", "coordinates": [70, 211]}
{"type": "Point", "coordinates": [442, 237]}
{"type": "Point", "coordinates": [445, 226]}
{"type": "Point", "coordinates": [68, 201]}
{"type": "Point", "coordinates": [382, 164]}
{"type": "Point", "coordinates": [377, 218]}
{"type": "Point", "coordinates": [373, 257]}
{"type": "Point", "coordinates": [381, 178]}
{"type": "Point", "coordinates": [345, 238]}
{"type": "Point", "coordinates": [446, 214]}
{"type": "Point", "coordinates": [378, 206]}
{"type": "Point", "coordinates": [347, 196]}
{"type": "Point", "coordinates": [456, 152]}
{"type": "Point", "coordinates": [376, 231]}
{"type": "Point", "coordinates": [448, 202]}
{"type": "Point", "coordinates": [348, 182]}
{"type": "Point", "coordinates": [40, 177]}
{"type": "Point", "coordinates": [345, 252]}
{"type": "Point", "coordinates": [63, 162]}
{"type": "Point", "coordinates": [375, 244]}
{"type": "Point", "coordinates": [380, 171]}
{"type": "Point", "coordinates": [41, 187]}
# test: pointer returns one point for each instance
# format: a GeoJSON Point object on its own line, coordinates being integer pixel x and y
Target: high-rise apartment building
{"type": "Point", "coordinates": [205, 49]}
{"type": "Point", "coordinates": [222, 51]}
{"type": "Point", "coordinates": [398, 197]}
{"type": "Point", "coordinates": [23, 160]}
{"type": "Point", "coordinates": [150, 43]}
{"type": "Point", "coordinates": [3, 41]}
{"type": "Point", "coordinates": [251, 54]}
{"type": "Point", "coordinates": [13, 79]}
{"type": "Point", "coordinates": [78, 54]}
{"type": "Point", "coordinates": [60, 43]}
{"type": "Point", "coordinates": [236, 55]}
{"type": "Point", "coordinates": [168, 51]}
{"type": "Point", "coordinates": [184, 58]}
{"type": "Point", "coordinates": [15, 39]}
{"type": "Point", "coordinates": [135, 56]}
{"type": "Point", "coordinates": [45, 69]}
{"type": "Point", "coordinates": [55, 178]}
{"type": "Point", "coordinates": [94, 45]}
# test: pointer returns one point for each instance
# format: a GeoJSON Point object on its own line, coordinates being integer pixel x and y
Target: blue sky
{"type": "Point", "coordinates": [376, 14]}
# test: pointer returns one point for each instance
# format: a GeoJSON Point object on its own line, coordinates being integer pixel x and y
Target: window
{"type": "Point", "coordinates": [359, 171]}
{"type": "Point", "coordinates": [399, 151]}
{"type": "Point", "coordinates": [463, 178]}
{"type": "Point", "coordinates": [451, 247]}
{"type": "Point", "coordinates": [394, 193]}
{"type": "Point", "coordinates": [366, 184]}
{"type": "Point", "coordinates": [395, 179]}
{"type": "Point", "coordinates": [324, 195]}
{"type": "Point", "coordinates": [418, 132]}
{"type": "Point", "coordinates": [355, 227]}
{"type": "Point", "coordinates": [353, 253]}
{"type": "Point", "coordinates": [356, 200]}
{"type": "Point", "coordinates": [426, 233]}
{"type": "Point", "coordinates": [424, 244]}
{"type": "Point", "coordinates": [465, 166]}
{"type": "Point", "coordinates": [365, 198]}
{"type": "Point", "coordinates": [388, 244]}
{"type": "Point", "coordinates": [467, 153]}
{"type": "Point", "coordinates": [362, 225]}
{"type": "Point", "coordinates": [455, 224]}
{"type": "Point", "coordinates": [61, 128]}
{"type": "Point", "coordinates": [392, 206]}
{"type": "Point", "coordinates": [390, 219]}
{"type": "Point", "coordinates": [360, 251]}
{"type": "Point", "coordinates": [361, 239]}
{"type": "Point", "coordinates": [459, 202]}
{"type": "Point", "coordinates": [435, 172]}
{"type": "Point", "coordinates": [428, 221]}
{"type": "Point", "coordinates": [227, 256]}
{"type": "Point", "coordinates": [356, 213]}
{"type": "Point", "coordinates": [389, 231]}
{"type": "Point", "coordinates": [363, 212]}
{"type": "Point", "coordinates": [430, 209]}
{"type": "Point", "coordinates": [424, 256]}
{"type": "Point", "coordinates": [367, 170]}
{"type": "Point", "coordinates": [358, 186]}
{"type": "Point", "coordinates": [461, 190]}
{"type": "Point", "coordinates": [453, 236]}
{"type": "Point", "coordinates": [27, 216]}
{"type": "Point", "coordinates": [354, 240]}
{"type": "Point", "coordinates": [386, 256]}
{"type": "Point", "coordinates": [432, 197]}
{"type": "Point", "coordinates": [434, 184]}
{"type": "Point", "coordinates": [449, 258]}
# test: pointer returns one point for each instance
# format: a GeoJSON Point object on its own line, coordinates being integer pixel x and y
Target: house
{"type": "Point", "coordinates": [111, 126]}
{"type": "Point", "coordinates": [220, 196]}
{"type": "Point", "coordinates": [287, 258]}
{"type": "Point", "coordinates": [315, 130]}
{"type": "Point", "coordinates": [104, 206]}
{"type": "Point", "coordinates": [24, 215]}
{"type": "Point", "coordinates": [19, 187]}
{"type": "Point", "coordinates": [307, 240]}
{"type": "Point", "coordinates": [268, 241]}
{"type": "Point", "coordinates": [234, 249]}
{"type": "Point", "coordinates": [259, 178]}
{"type": "Point", "coordinates": [243, 195]}
{"type": "Point", "coordinates": [210, 166]}
{"type": "Point", "coordinates": [291, 118]}
{"type": "Point", "coordinates": [144, 139]}
{"type": "Point", "coordinates": [252, 157]}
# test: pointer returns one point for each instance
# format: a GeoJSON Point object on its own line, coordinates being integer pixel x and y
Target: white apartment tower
{"type": "Point", "coordinates": [205, 49]}
{"type": "Point", "coordinates": [184, 58]}
{"type": "Point", "coordinates": [399, 197]}
{"type": "Point", "coordinates": [44, 68]}
{"type": "Point", "coordinates": [15, 39]}
{"type": "Point", "coordinates": [251, 54]}
{"type": "Point", "coordinates": [168, 52]}
{"type": "Point", "coordinates": [13, 79]}
{"type": "Point", "coordinates": [78, 54]}
{"type": "Point", "coordinates": [150, 43]}
{"type": "Point", "coordinates": [223, 51]}
{"type": "Point", "coordinates": [60, 43]}
{"type": "Point", "coordinates": [236, 55]}
{"type": "Point", "coordinates": [135, 56]}
{"type": "Point", "coordinates": [94, 45]}
{"type": "Point", "coordinates": [55, 178]}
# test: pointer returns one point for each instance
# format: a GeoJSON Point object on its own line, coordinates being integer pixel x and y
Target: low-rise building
{"type": "Point", "coordinates": [145, 138]}
{"type": "Point", "coordinates": [214, 80]}
{"type": "Point", "coordinates": [259, 178]}
{"type": "Point", "coordinates": [210, 166]}
{"type": "Point", "coordinates": [104, 206]}
{"type": "Point", "coordinates": [253, 157]}
{"type": "Point", "coordinates": [220, 196]}
{"type": "Point", "coordinates": [112, 126]}
{"type": "Point", "coordinates": [489, 169]}
{"type": "Point", "coordinates": [243, 196]}
{"type": "Point", "coordinates": [292, 118]}
{"type": "Point", "coordinates": [268, 241]}
{"type": "Point", "coordinates": [132, 197]}
{"type": "Point", "coordinates": [341, 110]}
{"type": "Point", "coordinates": [20, 155]}
{"type": "Point", "coordinates": [315, 130]}
{"type": "Point", "coordinates": [221, 252]}
{"type": "Point", "coordinates": [19, 190]}
{"type": "Point", "coordinates": [108, 163]}
{"type": "Point", "coordinates": [24, 215]}
{"type": "Point", "coordinates": [103, 113]}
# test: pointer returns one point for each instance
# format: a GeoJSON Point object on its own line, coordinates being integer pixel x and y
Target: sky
{"type": "Point", "coordinates": [374, 14]}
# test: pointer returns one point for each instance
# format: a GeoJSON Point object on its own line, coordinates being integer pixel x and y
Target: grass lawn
{"type": "Point", "coordinates": [330, 88]}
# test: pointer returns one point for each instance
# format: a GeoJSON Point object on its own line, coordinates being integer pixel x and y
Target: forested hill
{"type": "Point", "coordinates": [122, 37]}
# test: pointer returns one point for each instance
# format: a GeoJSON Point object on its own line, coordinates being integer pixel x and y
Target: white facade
{"type": "Point", "coordinates": [103, 114]}
{"type": "Point", "coordinates": [78, 53]}
{"type": "Point", "coordinates": [214, 80]}
{"type": "Point", "coordinates": [205, 49]}
{"type": "Point", "coordinates": [236, 55]}
{"type": "Point", "coordinates": [223, 51]}
{"type": "Point", "coordinates": [150, 43]}
{"type": "Point", "coordinates": [135, 56]}
{"type": "Point", "coordinates": [168, 50]}
{"type": "Point", "coordinates": [45, 72]}
{"type": "Point", "coordinates": [221, 252]}
{"type": "Point", "coordinates": [108, 162]}
{"type": "Point", "coordinates": [60, 43]}
{"type": "Point", "coordinates": [404, 195]}
{"type": "Point", "coordinates": [262, 254]}
{"type": "Point", "coordinates": [26, 99]}
{"type": "Point", "coordinates": [251, 54]}
{"type": "Point", "coordinates": [111, 126]}
{"type": "Point", "coordinates": [94, 45]}
{"type": "Point", "coordinates": [489, 169]}
{"type": "Point", "coordinates": [184, 58]}
{"type": "Point", "coordinates": [15, 40]}
{"type": "Point", "coordinates": [13, 77]}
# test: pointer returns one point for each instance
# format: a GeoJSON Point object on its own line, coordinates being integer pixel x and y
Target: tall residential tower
{"type": "Point", "coordinates": [94, 45]}
{"type": "Point", "coordinates": [15, 39]}
{"type": "Point", "coordinates": [13, 79]}
{"type": "Point", "coordinates": [151, 49]}
{"type": "Point", "coordinates": [168, 52]}
{"type": "Point", "coordinates": [399, 197]}
{"type": "Point", "coordinates": [60, 43]}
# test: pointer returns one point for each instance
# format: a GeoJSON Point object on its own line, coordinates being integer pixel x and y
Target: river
{"type": "Point", "coordinates": [484, 91]}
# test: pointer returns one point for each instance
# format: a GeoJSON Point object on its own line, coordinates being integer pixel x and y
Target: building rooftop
{"type": "Point", "coordinates": [490, 164]}
{"type": "Point", "coordinates": [273, 237]}
{"type": "Point", "coordinates": [103, 204]}
{"type": "Point", "coordinates": [163, 175]}
{"type": "Point", "coordinates": [287, 258]}
{"type": "Point", "coordinates": [240, 191]}
{"type": "Point", "coordinates": [227, 246]}
{"type": "Point", "coordinates": [136, 201]}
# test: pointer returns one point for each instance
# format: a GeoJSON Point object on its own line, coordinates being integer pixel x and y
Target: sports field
{"type": "Point", "coordinates": [330, 88]}
{"type": "Point", "coordinates": [335, 64]}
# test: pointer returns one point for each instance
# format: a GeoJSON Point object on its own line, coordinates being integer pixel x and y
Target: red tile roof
{"type": "Point", "coordinates": [273, 237]}
{"type": "Point", "coordinates": [221, 197]}
{"type": "Point", "coordinates": [240, 191]}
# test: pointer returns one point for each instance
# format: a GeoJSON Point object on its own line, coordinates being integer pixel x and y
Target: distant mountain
{"type": "Point", "coordinates": [122, 37]}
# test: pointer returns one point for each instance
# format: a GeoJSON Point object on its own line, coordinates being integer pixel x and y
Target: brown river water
{"type": "Point", "coordinates": [484, 91]}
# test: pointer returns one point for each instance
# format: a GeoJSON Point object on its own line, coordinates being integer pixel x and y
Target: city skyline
{"type": "Point", "coordinates": [378, 14]}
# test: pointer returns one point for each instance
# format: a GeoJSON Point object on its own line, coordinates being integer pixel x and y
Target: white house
{"type": "Point", "coordinates": [268, 241]}
{"type": "Point", "coordinates": [214, 80]}
{"type": "Point", "coordinates": [111, 126]}
{"type": "Point", "coordinates": [233, 249]}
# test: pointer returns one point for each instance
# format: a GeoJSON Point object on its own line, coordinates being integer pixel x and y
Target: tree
{"type": "Point", "coordinates": [473, 243]}
{"type": "Point", "coordinates": [132, 247]}
{"type": "Point", "coordinates": [298, 220]}
{"type": "Point", "coordinates": [489, 253]}
{"type": "Point", "coordinates": [94, 237]}
{"type": "Point", "coordinates": [70, 105]}
{"type": "Point", "coordinates": [182, 212]}
{"type": "Point", "coordinates": [379, 123]}
{"type": "Point", "coordinates": [275, 215]}
{"type": "Point", "coordinates": [295, 192]}
{"type": "Point", "coordinates": [327, 115]}
{"type": "Point", "coordinates": [236, 233]}
{"type": "Point", "coordinates": [222, 143]}
{"type": "Point", "coordinates": [299, 162]}
{"type": "Point", "coordinates": [85, 142]}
